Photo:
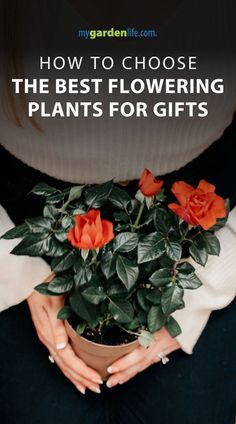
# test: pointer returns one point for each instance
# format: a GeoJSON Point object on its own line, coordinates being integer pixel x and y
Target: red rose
{"type": "Point", "coordinates": [148, 184]}
{"type": "Point", "coordinates": [90, 231]}
{"type": "Point", "coordinates": [200, 206]}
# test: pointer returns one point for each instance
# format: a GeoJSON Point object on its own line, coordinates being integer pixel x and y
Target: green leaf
{"type": "Point", "coordinates": [125, 242]}
{"type": "Point", "coordinates": [121, 216]}
{"type": "Point", "coordinates": [83, 276]}
{"type": "Point", "coordinates": [108, 264]}
{"type": "Point", "coordinates": [63, 262]}
{"type": "Point", "coordinates": [94, 295]}
{"type": "Point", "coordinates": [39, 225]}
{"type": "Point", "coordinates": [212, 244]}
{"type": "Point", "coordinates": [16, 232]}
{"type": "Point", "coordinates": [190, 281]}
{"type": "Point", "coordinates": [141, 297]}
{"type": "Point", "coordinates": [156, 319]}
{"type": "Point", "coordinates": [61, 284]}
{"type": "Point", "coordinates": [83, 309]}
{"type": "Point", "coordinates": [199, 255]}
{"type": "Point", "coordinates": [117, 291]}
{"type": "Point", "coordinates": [120, 198]}
{"type": "Point", "coordinates": [43, 189]}
{"type": "Point", "coordinates": [42, 289]}
{"type": "Point", "coordinates": [154, 296]}
{"type": "Point", "coordinates": [65, 313]}
{"type": "Point", "coordinates": [145, 338]}
{"type": "Point", "coordinates": [33, 245]}
{"type": "Point", "coordinates": [173, 327]}
{"type": "Point", "coordinates": [150, 247]}
{"type": "Point", "coordinates": [67, 222]}
{"type": "Point", "coordinates": [142, 317]}
{"type": "Point", "coordinates": [126, 271]}
{"type": "Point", "coordinates": [150, 216]}
{"type": "Point", "coordinates": [172, 299]}
{"type": "Point", "coordinates": [161, 277]}
{"type": "Point", "coordinates": [173, 249]}
{"type": "Point", "coordinates": [55, 198]}
{"type": "Point", "coordinates": [75, 193]}
{"type": "Point", "coordinates": [185, 268]}
{"type": "Point", "coordinates": [122, 311]}
{"type": "Point", "coordinates": [61, 235]}
{"type": "Point", "coordinates": [56, 248]}
{"type": "Point", "coordinates": [133, 325]}
{"type": "Point", "coordinates": [80, 328]}
{"type": "Point", "coordinates": [162, 221]}
{"type": "Point", "coordinates": [51, 212]}
{"type": "Point", "coordinates": [122, 227]}
{"type": "Point", "coordinates": [96, 196]}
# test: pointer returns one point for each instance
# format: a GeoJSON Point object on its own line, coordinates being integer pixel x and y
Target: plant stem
{"type": "Point", "coordinates": [141, 209]}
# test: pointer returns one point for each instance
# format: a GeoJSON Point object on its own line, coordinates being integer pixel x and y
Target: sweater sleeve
{"type": "Point", "coordinates": [18, 274]}
{"type": "Point", "coordinates": [218, 289]}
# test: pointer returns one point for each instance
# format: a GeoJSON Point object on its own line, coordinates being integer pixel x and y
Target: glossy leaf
{"type": "Point", "coordinates": [173, 249]}
{"type": "Point", "coordinates": [64, 262]}
{"type": "Point", "coordinates": [94, 295]}
{"type": "Point", "coordinates": [122, 311]}
{"type": "Point", "coordinates": [199, 255]}
{"type": "Point", "coordinates": [126, 271]}
{"type": "Point", "coordinates": [173, 327]}
{"type": "Point", "coordinates": [43, 189]}
{"type": "Point", "coordinates": [120, 198]}
{"type": "Point", "coordinates": [212, 244]}
{"type": "Point", "coordinates": [108, 264]}
{"type": "Point", "coordinates": [61, 284]}
{"type": "Point", "coordinates": [156, 319]}
{"type": "Point", "coordinates": [65, 313]}
{"type": "Point", "coordinates": [33, 245]}
{"type": "Point", "coordinates": [150, 247]}
{"type": "Point", "coordinates": [83, 309]}
{"type": "Point", "coordinates": [161, 277]}
{"type": "Point", "coordinates": [16, 232]}
{"type": "Point", "coordinates": [125, 242]}
{"type": "Point", "coordinates": [96, 196]}
{"type": "Point", "coordinates": [172, 299]}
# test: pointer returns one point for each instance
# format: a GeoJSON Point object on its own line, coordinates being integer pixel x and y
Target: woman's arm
{"type": "Point", "coordinates": [217, 291]}
{"type": "Point", "coordinates": [18, 274]}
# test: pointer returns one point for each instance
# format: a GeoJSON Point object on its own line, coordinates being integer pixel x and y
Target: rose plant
{"type": "Point", "coordinates": [122, 262]}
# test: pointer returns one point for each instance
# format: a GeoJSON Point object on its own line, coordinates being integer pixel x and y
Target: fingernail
{"type": "Point", "coordinates": [60, 346]}
{"type": "Point", "coordinates": [121, 382]}
{"type": "Point", "coordinates": [97, 380]}
{"type": "Point", "coordinates": [98, 391]}
{"type": "Point", "coordinates": [110, 383]}
{"type": "Point", "coordinates": [81, 390]}
{"type": "Point", "coordinates": [112, 370]}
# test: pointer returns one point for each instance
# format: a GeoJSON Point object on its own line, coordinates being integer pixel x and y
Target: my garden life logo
{"type": "Point", "coordinates": [92, 34]}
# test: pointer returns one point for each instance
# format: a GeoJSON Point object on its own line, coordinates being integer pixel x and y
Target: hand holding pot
{"type": "Point", "coordinates": [52, 334]}
{"type": "Point", "coordinates": [141, 358]}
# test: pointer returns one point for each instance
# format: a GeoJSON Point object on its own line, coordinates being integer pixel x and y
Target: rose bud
{"type": "Point", "coordinates": [90, 231]}
{"type": "Point", "coordinates": [148, 184]}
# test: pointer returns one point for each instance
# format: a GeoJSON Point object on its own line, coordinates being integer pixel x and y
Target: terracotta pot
{"type": "Point", "coordinates": [97, 356]}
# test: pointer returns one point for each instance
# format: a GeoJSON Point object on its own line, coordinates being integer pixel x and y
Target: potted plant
{"type": "Point", "coordinates": [119, 261]}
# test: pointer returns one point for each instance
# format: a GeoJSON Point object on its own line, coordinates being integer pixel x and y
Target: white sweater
{"type": "Point", "coordinates": [95, 150]}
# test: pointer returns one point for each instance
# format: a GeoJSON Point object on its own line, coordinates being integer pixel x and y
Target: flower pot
{"type": "Point", "coordinates": [98, 356]}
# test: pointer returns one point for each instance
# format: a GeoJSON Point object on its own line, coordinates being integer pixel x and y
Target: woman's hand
{"type": "Point", "coordinates": [52, 334]}
{"type": "Point", "coordinates": [127, 367]}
